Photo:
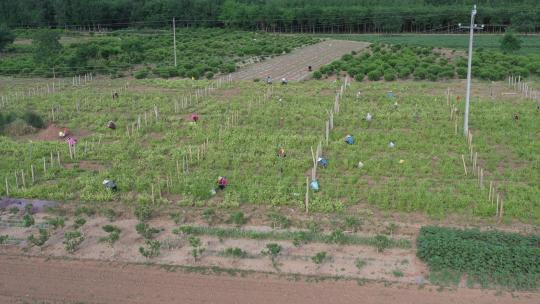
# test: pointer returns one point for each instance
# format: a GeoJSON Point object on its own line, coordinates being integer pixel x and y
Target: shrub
{"type": "Point", "coordinates": [320, 257]}
{"type": "Point", "coordinates": [278, 220]}
{"type": "Point", "coordinates": [389, 75]}
{"type": "Point", "coordinates": [144, 230]}
{"type": "Point", "coordinates": [151, 249]}
{"type": "Point", "coordinates": [360, 263]}
{"type": "Point", "coordinates": [79, 222]}
{"type": "Point", "coordinates": [209, 75]}
{"type": "Point", "coordinates": [197, 249]}
{"type": "Point", "coordinates": [140, 74]}
{"type": "Point", "coordinates": [317, 75]}
{"type": "Point", "coordinates": [4, 239]}
{"type": "Point", "coordinates": [490, 257]}
{"type": "Point", "coordinates": [114, 234]}
{"type": "Point", "coordinates": [461, 72]}
{"type": "Point", "coordinates": [143, 212]}
{"type": "Point", "coordinates": [28, 220]}
{"type": "Point", "coordinates": [397, 273]}
{"type": "Point", "coordinates": [375, 75]}
{"type": "Point", "coordinates": [381, 242]}
{"type": "Point", "coordinates": [72, 240]}
{"type": "Point", "coordinates": [234, 253]}
{"type": "Point", "coordinates": [33, 119]}
{"type": "Point", "coordinates": [56, 223]}
{"type": "Point", "coordinates": [40, 240]}
{"type": "Point", "coordinates": [88, 211]}
{"type": "Point", "coordinates": [238, 218]}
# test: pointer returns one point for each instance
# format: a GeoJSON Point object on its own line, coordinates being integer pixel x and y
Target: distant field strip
{"type": "Point", "coordinates": [294, 66]}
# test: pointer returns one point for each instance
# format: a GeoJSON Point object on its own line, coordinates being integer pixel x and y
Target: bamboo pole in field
{"type": "Point", "coordinates": [52, 158]}
{"type": "Point", "coordinates": [190, 154]}
{"type": "Point", "coordinates": [153, 198]}
{"type": "Point", "coordinates": [490, 191]}
{"type": "Point", "coordinates": [177, 169]}
{"type": "Point", "coordinates": [44, 166]}
{"type": "Point", "coordinates": [145, 119]}
{"type": "Point", "coordinates": [327, 132]}
{"type": "Point", "coordinates": [7, 187]}
{"type": "Point", "coordinates": [138, 122]}
{"type": "Point", "coordinates": [16, 180]}
{"type": "Point", "coordinates": [127, 130]}
{"type": "Point", "coordinates": [307, 194]}
{"type": "Point", "coordinates": [58, 158]}
{"type": "Point", "coordinates": [482, 178]}
{"type": "Point", "coordinates": [497, 204]}
{"type": "Point", "coordinates": [32, 172]}
{"type": "Point", "coordinates": [501, 213]}
{"type": "Point", "coordinates": [455, 127]}
{"type": "Point", "coordinates": [464, 165]}
{"type": "Point", "coordinates": [475, 162]}
{"type": "Point", "coordinates": [23, 180]}
{"type": "Point", "coordinates": [156, 112]}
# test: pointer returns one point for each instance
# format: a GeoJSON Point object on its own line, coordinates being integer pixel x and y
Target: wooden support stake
{"type": "Point", "coordinates": [44, 166]}
{"type": "Point", "coordinates": [23, 180]}
{"type": "Point", "coordinates": [455, 126]}
{"type": "Point", "coordinates": [153, 198]}
{"type": "Point", "coordinates": [327, 131]}
{"type": "Point", "coordinates": [7, 188]}
{"type": "Point", "coordinates": [497, 204]}
{"type": "Point", "coordinates": [490, 191]}
{"type": "Point", "coordinates": [464, 165]}
{"type": "Point", "coordinates": [16, 180]}
{"type": "Point", "coordinates": [307, 194]}
{"type": "Point", "coordinates": [58, 158]}
{"type": "Point", "coordinates": [52, 158]}
{"type": "Point", "coordinates": [177, 169]}
{"type": "Point", "coordinates": [481, 178]}
{"type": "Point", "coordinates": [501, 213]}
{"type": "Point", "coordinates": [32, 171]}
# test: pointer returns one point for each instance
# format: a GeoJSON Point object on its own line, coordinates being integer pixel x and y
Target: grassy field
{"type": "Point", "coordinates": [245, 123]}
{"type": "Point", "coordinates": [530, 46]}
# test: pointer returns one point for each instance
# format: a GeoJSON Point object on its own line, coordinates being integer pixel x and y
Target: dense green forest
{"type": "Point", "coordinates": [275, 15]}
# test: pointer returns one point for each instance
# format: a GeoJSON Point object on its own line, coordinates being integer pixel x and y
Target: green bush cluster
{"type": "Point", "coordinates": [27, 118]}
{"type": "Point", "coordinates": [201, 53]}
{"type": "Point", "coordinates": [392, 62]}
{"type": "Point", "coordinates": [491, 257]}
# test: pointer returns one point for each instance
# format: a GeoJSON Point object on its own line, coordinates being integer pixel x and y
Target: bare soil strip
{"type": "Point", "coordinates": [38, 280]}
{"type": "Point", "coordinates": [294, 66]}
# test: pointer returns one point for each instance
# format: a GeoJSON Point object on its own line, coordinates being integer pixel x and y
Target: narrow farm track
{"type": "Point", "coordinates": [294, 66]}
{"type": "Point", "coordinates": [38, 280]}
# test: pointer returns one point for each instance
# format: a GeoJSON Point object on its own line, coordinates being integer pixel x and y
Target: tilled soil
{"type": "Point", "coordinates": [294, 66]}
{"type": "Point", "coordinates": [38, 280]}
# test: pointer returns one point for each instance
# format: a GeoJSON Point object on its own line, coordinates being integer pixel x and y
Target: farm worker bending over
{"type": "Point", "coordinates": [309, 68]}
{"type": "Point", "coordinates": [63, 133]}
{"type": "Point", "coordinates": [71, 141]}
{"type": "Point", "coordinates": [109, 184]}
{"type": "Point", "coordinates": [314, 185]}
{"type": "Point", "coordinates": [281, 152]}
{"type": "Point", "coordinates": [284, 81]}
{"type": "Point", "coordinates": [111, 125]}
{"type": "Point", "coordinates": [268, 80]}
{"type": "Point", "coordinates": [194, 117]}
{"type": "Point", "coordinates": [349, 139]}
{"type": "Point", "coordinates": [323, 162]}
{"type": "Point", "coordinates": [222, 182]}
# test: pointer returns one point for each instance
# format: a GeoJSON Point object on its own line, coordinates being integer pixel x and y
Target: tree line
{"type": "Point", "coordinates": [274, 15]}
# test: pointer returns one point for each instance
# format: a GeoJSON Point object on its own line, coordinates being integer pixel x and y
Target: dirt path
{"type": "Point", "coordinates": [37, 280]}
{"type": "Point", "coordinates": [294, 66]}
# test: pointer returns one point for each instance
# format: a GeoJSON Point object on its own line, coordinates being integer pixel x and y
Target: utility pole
{"type": "Point", "coordinates": [469, 70]}
{"type": "Point", "coordinates": [174, 39]}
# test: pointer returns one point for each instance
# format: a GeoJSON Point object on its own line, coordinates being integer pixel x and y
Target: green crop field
{"type": "Point", "coordinates": [530, 43]}
{"type": "Point", "coordinates": [169, 161]}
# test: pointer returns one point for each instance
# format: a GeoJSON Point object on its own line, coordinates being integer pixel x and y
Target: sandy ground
{"type": "Point", "coordinates": [294, 66]}
{"type": "Point", "coordinates": [38, 280]}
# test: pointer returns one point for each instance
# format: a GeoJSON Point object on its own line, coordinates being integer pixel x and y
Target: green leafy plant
{"type": "Point", "coordinates": [40, 240]}
{"type": "Point", "coordinates": [238, 218]}
{"type": "Point", "coordinates": [79, 222]}
{"type": "Point", "coordinates": [360, 263]}
{"type": "Point", "coordinates": [72, 240]}
{"type": "Point", "coordinates": [151, 249]}
{"type": "Point", "coordinates": [144, 230]}
{"type": "Point", "coordinates": [320, 257]}
{"type": "Point", "coordinates": [272, 250]}
{"type": "Point", "coordinates": [234, 252]}
{"type": "Point", "coordinates": [489, 258]}
{"type": "Point", "coordinates": [278, 220]}
{"type": "Point", "coordinates": [4, 239]}
{"type": "Point", "coordinates": [57, 222]}
{"type": "Point", "coordinates": [196, 247]}
{"type": "Point", "coordinates": [381, 242]}
{"type": "Point", "coordinates": [114, 234]}
{"type": "Point", "coordinates": [397, 273]}
{"type": "Point", "coordinates": [143, 212]}
{"type": "Point", "coordinates": [28, 220]}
